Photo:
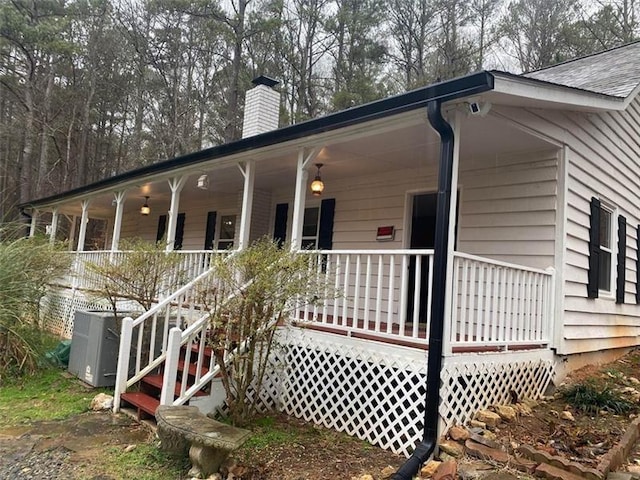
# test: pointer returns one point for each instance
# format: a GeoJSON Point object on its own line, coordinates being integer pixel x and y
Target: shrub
{"type": "Point", "coordinates": [592, 399]}
{"type": "Point", "coordinates": [27, 266]}
{"type": "Point", "coordinates": [256, 290]}
{"type": "Point", "coordinates": [143, 272]}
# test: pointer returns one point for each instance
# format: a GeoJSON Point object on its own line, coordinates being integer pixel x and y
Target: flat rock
{"type": "Point", "coordinates": [491, 419]}
{"type": "Point", "coordinates": [446, 471]}
{"type": "Point", "coordinates": [387, 471]}
{"type": "Point", "coordinates": [459, 434]}
{"type": "Point", "coordinates": [489, 442]}
{"type": "Point", "coordinates": [483, 452]}
{"type": "Point", "coordinates": [429, 469]}
{"type": "Point", "coordinates": [452, 448]}
{"type": "Point", "coordinates": [507, 413]}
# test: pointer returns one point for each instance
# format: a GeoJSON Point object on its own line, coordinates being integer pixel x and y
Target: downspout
{"type": "Point", "coordinates": [428, 444]}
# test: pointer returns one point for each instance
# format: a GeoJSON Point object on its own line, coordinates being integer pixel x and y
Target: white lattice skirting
{"type": "Point", "coordinates": [58, 308]}
{"type": "Point", "coordinates": [376, 392]}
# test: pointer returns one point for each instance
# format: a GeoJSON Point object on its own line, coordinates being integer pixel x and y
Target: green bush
{"type": "Point", "coordinates": [140, 275]}
{"type": "Point", "coordinates": [255, 291]}
{"type": "Point", "coordinates": [27, 266]}
{"type": "Point", "coordinates": [592, 399]}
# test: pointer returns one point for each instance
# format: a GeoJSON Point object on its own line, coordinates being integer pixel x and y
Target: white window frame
{"type": "Point", "coordinates": [611, 250]}
{"type": "Point", "coordinates": [218, 238]}
{"type": "Point", "coordinates": [317, 235]}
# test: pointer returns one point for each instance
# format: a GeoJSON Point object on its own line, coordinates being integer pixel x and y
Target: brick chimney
{"type": "Point", "coordinates": [261, 107]}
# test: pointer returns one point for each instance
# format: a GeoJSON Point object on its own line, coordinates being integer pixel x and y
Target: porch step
{"type": "Point", "coordinates": [193, 368]}
{"type": "Point", "coordinates": [157, 380]}
{"type": "Point", "coordinates": [145, 404]}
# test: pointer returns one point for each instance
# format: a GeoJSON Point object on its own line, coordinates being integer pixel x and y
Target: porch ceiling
{"type": "Point", "coordinates": [408, 143]}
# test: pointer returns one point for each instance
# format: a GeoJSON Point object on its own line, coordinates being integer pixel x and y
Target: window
{"type": "Point", "coordinates": [601, 249]}
{"type": "Point", "coordinates": [227, 232]}
{"type": "Point", "coordinates": [310, 226]}
{"type": "Point", "coordinates": [606, 242]}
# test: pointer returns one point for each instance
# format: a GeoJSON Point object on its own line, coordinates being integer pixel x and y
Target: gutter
{"type": "Point", "coordinates": [469, 85]}
{"type": "Point", "coordinates": [429, 442]}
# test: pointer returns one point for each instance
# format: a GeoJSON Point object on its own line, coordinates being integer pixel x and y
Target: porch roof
{"type": "Point", "coordinates": [494, 86]}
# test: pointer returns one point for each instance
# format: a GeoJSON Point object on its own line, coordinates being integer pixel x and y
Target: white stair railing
{"type": "Point", "coordinates": [184, 308]}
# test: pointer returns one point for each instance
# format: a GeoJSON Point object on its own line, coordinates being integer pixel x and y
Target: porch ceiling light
{"type": "Point", "coordinates": [145, 209]}
{"type": "Point", "coordinates": [317, 186]}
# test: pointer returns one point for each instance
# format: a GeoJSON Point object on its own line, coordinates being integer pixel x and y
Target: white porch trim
{"type": "Point", "coordinates": [117, 223]}
{"type": "Point", "coordinates": [248, 171]}
{"type": "Point", "coordinates": [175, 184]}
{"type": "Point", "coordinates": [54, 225]}
{"type": "Point", "coordinates": [301, 195]}
{"type": "Point", "coordinates": [83, 225]}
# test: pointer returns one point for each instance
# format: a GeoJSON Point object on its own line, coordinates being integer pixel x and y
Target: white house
{"type": "Point", "coordinates": [539, 244]}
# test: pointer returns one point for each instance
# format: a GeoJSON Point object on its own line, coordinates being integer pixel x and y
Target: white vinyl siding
{"type": "Point", "coordinates": [603, 161]}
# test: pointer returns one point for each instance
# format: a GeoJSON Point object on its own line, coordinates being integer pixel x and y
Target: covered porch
{"type": "Point", "coordinates": [373, 223]}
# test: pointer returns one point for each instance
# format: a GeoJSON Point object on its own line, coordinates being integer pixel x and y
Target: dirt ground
{"type": "Point", "coordinates": [288, 449]}
{"type": "Point", "coordinates": [591, 434]}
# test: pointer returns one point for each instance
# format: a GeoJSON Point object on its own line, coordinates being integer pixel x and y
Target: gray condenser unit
{"type": "Point", "coordinates": [94, 348]}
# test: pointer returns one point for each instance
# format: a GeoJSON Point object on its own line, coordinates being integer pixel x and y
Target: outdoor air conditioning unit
{"type": "Point", "coordinates": [94, 348]}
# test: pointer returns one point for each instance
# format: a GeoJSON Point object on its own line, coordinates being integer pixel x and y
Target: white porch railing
{"type": "Point", "coordinates": [377, 294]}
{"type": "Point", "coordinates": [192, 264]}
{"type": "Point", "coordinates": [500, 304]}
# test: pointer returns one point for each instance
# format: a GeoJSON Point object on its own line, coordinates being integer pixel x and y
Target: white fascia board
{"type": "Point", "coordinates": [549, 93]}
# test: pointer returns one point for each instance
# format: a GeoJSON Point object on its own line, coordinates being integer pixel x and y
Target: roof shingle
{"type": "Point", "coordinates": [614, 72]}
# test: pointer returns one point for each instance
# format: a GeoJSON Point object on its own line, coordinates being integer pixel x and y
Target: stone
{"type": "Point", "coordinates": [445, 457]}
{"type": "Point", "coordinates": [452, 448]}
{"type": "Point", "coordinates": [634, 380]}
{"type": "Point", "coordinates": [567, 415]}
{"type": "Point", "coordinates": [129, 448]}
{"type": "Point", "coordinates": [102, 401]}
{"type": "Point", "coordinates": [507, 413]}
{"type": "Point", "coordinates": [477, 424]}
{"type": "Point", "coordinates": [366, 476]}
{"type": "Point", "coordinates": [525, 410]}
{"type": "Point", "coordinates": [459, 434]}
{"type": "Point", "coordinates": [429, 469]}
{"type": "Point", "coordinates": [387, 471]}
{"type": "Point", "coordinates": [488, 434]}
{"type": "Point", "coordinates": [554, 473]}
{"type": "Point", "coordinates": [473, 470]}
{"type": "Point", "coordinates": [446, 471]}
{"type": "Point", "coordinates": [484, 440]}
{"type": "Point", "coordinates": [491, 419]}
{"type": "Point", "coordinates": [500, 476]}
{"type": "Point", "coordinates": [483, 452]}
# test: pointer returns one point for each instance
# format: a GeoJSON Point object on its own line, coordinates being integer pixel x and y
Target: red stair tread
{"type": "Point", "coordinates": [157, 380]}
{"type": "Point", "coordinates": [141, 400]}
{"type": "Point", "coordinates": [208, 351]}
{"type": "Point", "coordinates": [192, 368]}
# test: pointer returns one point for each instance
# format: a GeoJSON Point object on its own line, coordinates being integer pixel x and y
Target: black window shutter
{"type": "Point", "coordinates": [638, 264]}
{"type": "Point", "coordinates": [325, 232]}
{"type": "Point", "coordinates": [594, 249]}
{"type": "Point", "coordinates": [210, 232]}
{"type": "Point", "coordinates": [280, 224]}
{"type": "Point", "coordinates": [622, 258]}
{"type": "Point", "coordinates": [162, 227]}
{"type": "Point", "coordinates": [177, 244]}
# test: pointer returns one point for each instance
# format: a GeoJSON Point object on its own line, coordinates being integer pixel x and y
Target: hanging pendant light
{"type": "Point", "coordinates": [145, 209]}
{"type": "Point", "coordinates": [317, 186]}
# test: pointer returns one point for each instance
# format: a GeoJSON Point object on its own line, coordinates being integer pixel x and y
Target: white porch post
{"type": "Point", "coordinates": [249, 173]}
{"type": "Point", "coordinates": [117, 223]}
{"type": "Point", "coordinates": [34, 222]}
{"type": "Point", "coordinates": [72, 231]}
{"type": "Point", "coordinates": [300, 196]}
{"type": "Point", "coordinates": [83, 225]}
{"type": "Point", "coordinates": [54, 225]}
{"type": "Point", "coordinates": [448, 314]}
{"type": "Point", "coordinates": [175, 184]}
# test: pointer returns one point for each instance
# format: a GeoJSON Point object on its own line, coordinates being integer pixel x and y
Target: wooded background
{"type": "Point", "coordinates": [92, 88]}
